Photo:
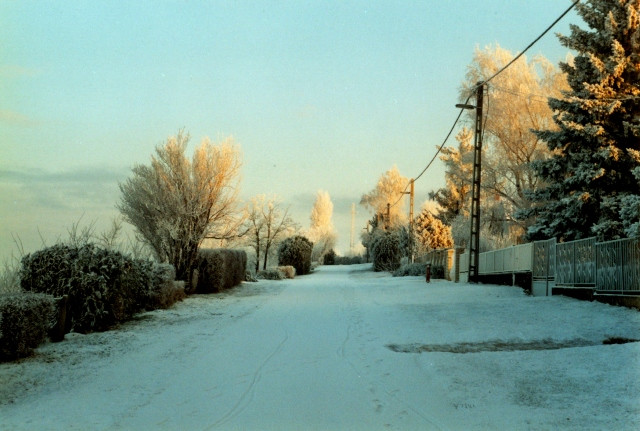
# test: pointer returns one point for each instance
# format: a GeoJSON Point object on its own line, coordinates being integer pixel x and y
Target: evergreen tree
{"type": "Point", "coordinates": [430, 232]}
{"type": "Point", "coordinates": [593, 177]}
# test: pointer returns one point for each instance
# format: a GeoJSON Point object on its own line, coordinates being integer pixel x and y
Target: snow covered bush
{"type": "Point", "coordinates": [296, 251]}
{"type": "Point", "coordinates": [349, 260]}
{"type": "Point", "coordinates": [270, 274]}
{"type": "Point", "coordinates": [411, 270]}
{"type": "Point", "coordinates": [164, 290]}
{"type": "Point", "coordinates": [219, 269]}
{"type": "Point", "coordinates": [329, 258]}
{"type": "Point", "coordinates": [288, 271]}
{"type": "Point", "coordinates": [25, 319]}
{"type": "Point", "coordinates": [104, 287]}
{"type": "Point", "coordinates": [386, 249]}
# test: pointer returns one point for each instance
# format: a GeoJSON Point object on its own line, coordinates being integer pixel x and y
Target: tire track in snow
{"type": "Point", "coordinates": [247, 396]}
{"type": "Point", "coordinates": [355, 323]}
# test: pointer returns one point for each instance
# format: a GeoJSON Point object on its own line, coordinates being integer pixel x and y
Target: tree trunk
{"type": "Point", "coordinates": [266, 257]}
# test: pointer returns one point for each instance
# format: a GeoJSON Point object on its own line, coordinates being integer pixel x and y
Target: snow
{"type": "Point", "coordinates": [317, 353]}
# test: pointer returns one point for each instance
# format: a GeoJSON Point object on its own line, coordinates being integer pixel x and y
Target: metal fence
{"type": "Point", "coordinates": [611, 267]}
{"type": "Point", "coordinates": [576, 263]}
{"type": "Point", "coordinates": [544, 259]}
{"type": "Point", "coordinates": [618, 266]}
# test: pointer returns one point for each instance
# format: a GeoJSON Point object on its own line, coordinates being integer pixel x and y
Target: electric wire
{"type": "Point", "coordinates": [486, 81]}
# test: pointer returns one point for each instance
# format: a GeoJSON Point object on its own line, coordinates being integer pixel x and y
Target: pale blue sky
{"type": "Point", "coordinates": [319, 95]}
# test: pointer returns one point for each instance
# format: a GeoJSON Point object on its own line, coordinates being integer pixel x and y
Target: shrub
{"type": "Point", "coordinates": [220, 269]}
{"type": "Point", "coordinates": [287, 271]}
{"type": "Point", "coordinates": [270, 274]}
{"type": "Point", "coordinates": [411, 269]}
{"type": "Point", "coordinates": [330, 258]}
{"type": "Point", "coordinates": [104, 287]}
{"type": "Point", "coordinates": [387, 252]}
{"type": "Point", "coordinates": [296, 251]}
{"type": "Point", "coordinates": [25, 319]}
{"type": "Point", "coordinates": [164, 290]}
{"type": "Point", "coordinates": [349, 260]}
{"type": "Point", "coordinates": [248, 276]}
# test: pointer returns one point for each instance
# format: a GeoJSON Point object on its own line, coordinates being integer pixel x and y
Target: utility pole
{"type": "Point", "coordinates": [474, 240]}
{"type": "Point", "coordinates": [411, 195]}
{"type": "Point", "coordinates": [353, 225]}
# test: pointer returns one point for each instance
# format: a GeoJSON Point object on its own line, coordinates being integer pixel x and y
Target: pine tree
{"type": "Point", "coordinates": [430, 232]}
{"type": "Point", "coordinates": [591, 188]}
{"type": "Point", "coordinates": [454, 199]}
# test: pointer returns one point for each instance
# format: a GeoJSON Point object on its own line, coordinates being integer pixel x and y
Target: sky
{"type": "Point", "coordinates": [319, 95]}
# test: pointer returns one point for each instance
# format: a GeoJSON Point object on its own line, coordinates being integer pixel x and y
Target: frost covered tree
{"type": "Point", "coordinates": [321, 231]}
{"type": "Point", "coordinates": [454, 198]}
{"type": "Point", "coordinates": [266, 223]}
{"type": "Point", "coordinates": [515, 104]}
{"type": "Point", "coordinates": [176, 203]}
{"type": "Point", "coordinates": [430, 233]}
{"type": "Point", "coordinates": [388, 190]}
{"type": "Point", "coordinates": [592, 180]}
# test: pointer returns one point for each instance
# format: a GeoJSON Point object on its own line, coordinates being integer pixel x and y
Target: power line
{"type": "Point", "coordinates": [532, 43]}
{"type": "Point", "coordinates": [475, 87]}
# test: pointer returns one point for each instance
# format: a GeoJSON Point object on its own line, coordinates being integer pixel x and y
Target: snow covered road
{"type": "Point", "coordinates": [342, 348]}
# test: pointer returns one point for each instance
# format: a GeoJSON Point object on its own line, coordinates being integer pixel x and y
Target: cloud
{"type": "Point", "coordinates": [8, 71]}
{"type": "Point", "coordinates": [13, 118]}
{"type": "Point", "coordinates": [86, 187]}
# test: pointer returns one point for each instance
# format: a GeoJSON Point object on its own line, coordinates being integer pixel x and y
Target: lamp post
{"type": "Point", "coordinates": [474, 237]}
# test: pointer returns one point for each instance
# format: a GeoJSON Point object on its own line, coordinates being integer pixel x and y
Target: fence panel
{"type": "Point", "coordinates": [576, 263]}
{"type": "Point", "coordinates": [544, 259]}
{"type": "Point", "coordinates": [618, 266]}
{"type": "Point", "coordinates": [516, 258]}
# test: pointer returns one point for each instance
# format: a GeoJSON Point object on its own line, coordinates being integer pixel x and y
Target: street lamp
{"type": "Point", "coordinates": [474, 240]}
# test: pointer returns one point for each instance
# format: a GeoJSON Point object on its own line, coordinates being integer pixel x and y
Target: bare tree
{"type": "Point", "coordinates": [388, 191]}
{"type": "Point", "coordinates": [515, 104]}
{"type": "Point", "coordinates": [174, 204]}
{"type": "Point", "coordinates": [266, 222]}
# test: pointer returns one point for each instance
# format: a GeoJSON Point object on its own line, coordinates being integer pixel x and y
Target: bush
{"type": "Point", "coordinates": [287, 271]}
{"type": "Point", "coordinates": [25, 319]}
{"type": "Point", "coordinates": [248, 276]}
{"type": "Point", "coordinates": [104, 287]}
{"type": "Point", "coordinates": [387, 252]}
{"type": "Point", "coordinates": [296, 251]}
{"type": "Point", "coordinates": [411, 269]}
{"type": "Point", "coordinates": [349, 260]}
{"type": "Point", "coordinates": [219, 269]}
{"type": "Point", "coordinates": [270, 274]}
{"type": "Point", "coordinates": [330, 258]}
{"type": "Point", "coordinates": [164, 290]}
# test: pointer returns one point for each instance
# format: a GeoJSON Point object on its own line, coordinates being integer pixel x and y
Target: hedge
{"type": "Point", "coordinates": [25, 320]}
{"type": "Point", "coordinates": [104, 287]}
{"type": "Point", "coordinates": [411, 269]}
{"type": "Point", "coordinates": [270, 274]}
{"type": "Point", "coordinates": [219, 269]}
